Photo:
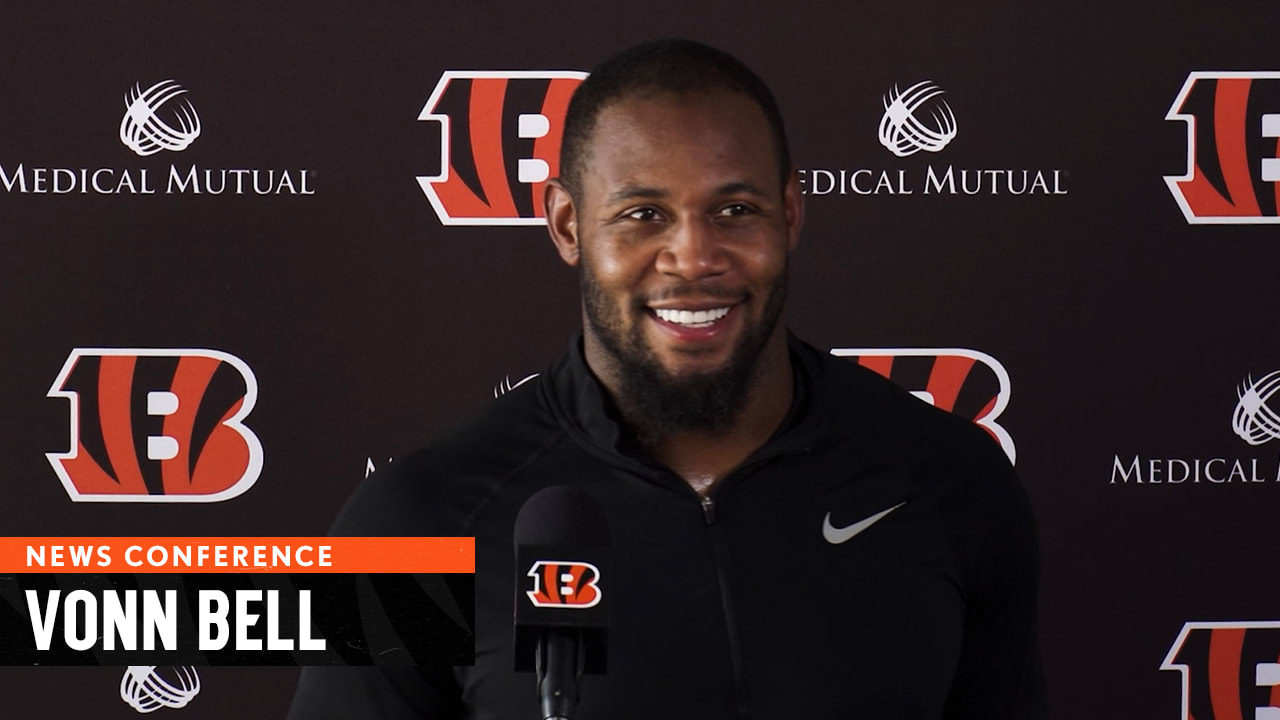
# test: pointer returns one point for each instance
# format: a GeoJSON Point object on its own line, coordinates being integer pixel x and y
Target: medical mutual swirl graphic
{"type": "Point", "coordinates": [1253, 420]}
{"type": "Point", "coordinates": [146, 132]}
{"type": "Point", "coordinates": [906, 129]}
{"type": "Point", "coordinates": [146, 691]}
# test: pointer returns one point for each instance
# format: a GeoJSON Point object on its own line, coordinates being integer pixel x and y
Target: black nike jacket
{"type": "Point", "coordinates": [765, 600]}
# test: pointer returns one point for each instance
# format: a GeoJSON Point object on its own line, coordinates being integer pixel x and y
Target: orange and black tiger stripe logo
{"type": "Point", "coordinates": [564, 584]}
{"type": "Point", "coordinates": [500, 136]}
{"type": "Point", "coordinates": [1233, 147]}
{"type": "Point", "coordinates": [157, 425]}
{"type": "Point", "coordinates": [1230, 670]}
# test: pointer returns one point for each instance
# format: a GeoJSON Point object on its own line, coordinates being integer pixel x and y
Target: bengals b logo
{"type": "Point", "coordinates": [1230, 670]}
{"type": "Point", "coordinates": [157, 425]}
{"type": "Point", "coordinates": [969, 383]}
{"type": "Point", "coordinates": [564, 584]}
{"type": "Point", "coordinates": [499, 143]}
{"type": "Point", "coordinates": [1233, 148]}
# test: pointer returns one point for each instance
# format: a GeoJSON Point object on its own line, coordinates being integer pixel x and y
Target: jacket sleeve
{"type": "Point", "coordinates": [999, 676]}
{"type": "Point", "coordinates": [385, 505]}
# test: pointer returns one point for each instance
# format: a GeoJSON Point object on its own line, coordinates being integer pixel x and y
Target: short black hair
{"type": "Point", "coordinates": [668, 65]}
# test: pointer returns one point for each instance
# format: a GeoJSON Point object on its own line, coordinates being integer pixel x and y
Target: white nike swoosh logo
{"type": "Point", "coordinates": [835, 535]}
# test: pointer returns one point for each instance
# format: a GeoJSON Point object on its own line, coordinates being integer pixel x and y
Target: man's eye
{"type": "Point", "coordinates": [644, 214]}
{"type": "Point", "coordinates": [737, 209]}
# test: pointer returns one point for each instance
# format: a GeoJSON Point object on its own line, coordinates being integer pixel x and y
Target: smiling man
{"type": "Point", "coordinates": [678, 204]}
{"type": "Point", "coordinates": [794, 536]}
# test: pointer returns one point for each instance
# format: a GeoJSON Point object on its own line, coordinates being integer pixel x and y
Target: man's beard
{"type": "Point", "coordinates": [656, 403]}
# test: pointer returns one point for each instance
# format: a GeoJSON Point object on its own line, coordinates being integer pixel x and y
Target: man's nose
{"type": "Point", "coordinates": [694, 250]}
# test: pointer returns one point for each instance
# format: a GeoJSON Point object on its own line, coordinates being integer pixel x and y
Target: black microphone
{"type": "Point", "coordinates": [562, 585]}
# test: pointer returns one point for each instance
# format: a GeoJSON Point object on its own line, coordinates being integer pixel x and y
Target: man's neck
{"type": "Point", "coordinates": [704, 458]}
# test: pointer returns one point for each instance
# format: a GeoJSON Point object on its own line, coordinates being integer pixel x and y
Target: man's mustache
{"type": "Point", "coordinates": [695, 290]}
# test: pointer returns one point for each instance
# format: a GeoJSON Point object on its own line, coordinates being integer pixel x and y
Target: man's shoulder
{"type": "Point", "coordinates": [437, 489]}
{"type": "Point", "coordinates": [505, 434]}
{"type": "Point", "coordinates": [876, 412]}
{"type": "Point", "coordinates": [957, 466]}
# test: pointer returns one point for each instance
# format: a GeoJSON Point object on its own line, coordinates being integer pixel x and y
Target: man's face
{"type": "Point", "coordinates": [683, 226]}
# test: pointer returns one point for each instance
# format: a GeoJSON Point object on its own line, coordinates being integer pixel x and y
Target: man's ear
{"type": "Point", "coordinates": [562, 221]}
{"type": "Point", "coordinates": [793, 204]}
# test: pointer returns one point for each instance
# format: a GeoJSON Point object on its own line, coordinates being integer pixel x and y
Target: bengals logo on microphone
{"type": "Point", "coordinates": [564, 584]}
{"type": "Point", "coordinates": [966, 382]}
{"type": "Point", "coordinates": [157, 425]}
{"type": "Point", "coordinates": [500, 137]}
{"type": "Point", "coordinates": [1233, 148]}
{"type": "Point", "coordinates": [1230, 670]}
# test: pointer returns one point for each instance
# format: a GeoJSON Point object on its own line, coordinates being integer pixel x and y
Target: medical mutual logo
{"type": "Point", "coordinates": [158, 118]}
{"type": "Point", "coordinates": [147, 688]}
{"type": "Point", "coordinates": [505, 385]}
{"type": "Point", "coordinates": [1253, 420]}
{"type": "Point", "coordinates": [143, 129]}
{"type": "Point", "coordinates": [917, 119]}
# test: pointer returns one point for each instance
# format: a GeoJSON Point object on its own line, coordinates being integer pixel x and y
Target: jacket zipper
{"type": "Point", "coordinates": [720, 555]}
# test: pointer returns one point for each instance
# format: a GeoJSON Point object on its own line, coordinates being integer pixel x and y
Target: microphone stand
{"type": "Point", "coordinates": [559, 665]}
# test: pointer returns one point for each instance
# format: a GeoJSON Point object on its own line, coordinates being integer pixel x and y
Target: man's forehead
{"type": "Point", "coordinates": [638, 191]}
{"type": "Point", "coordinates": [722, 136]}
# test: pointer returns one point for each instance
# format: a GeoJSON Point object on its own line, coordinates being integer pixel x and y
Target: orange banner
{"type": "Point", "coordinates": [237, 554]}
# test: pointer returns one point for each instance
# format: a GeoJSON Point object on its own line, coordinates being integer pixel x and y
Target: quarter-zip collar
{"type": "Point", "coordinates": [582, 406]}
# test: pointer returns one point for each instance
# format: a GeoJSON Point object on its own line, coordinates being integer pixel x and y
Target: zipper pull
{"type": "Point", "coordinates": [709, 510]}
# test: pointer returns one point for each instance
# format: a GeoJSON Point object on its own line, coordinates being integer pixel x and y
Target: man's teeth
{"type": "Point", "coordinates": [692, 318]}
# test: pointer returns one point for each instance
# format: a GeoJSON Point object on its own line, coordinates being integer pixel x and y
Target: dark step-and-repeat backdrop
{"type": "Point", "coordinates": [251, 252]}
